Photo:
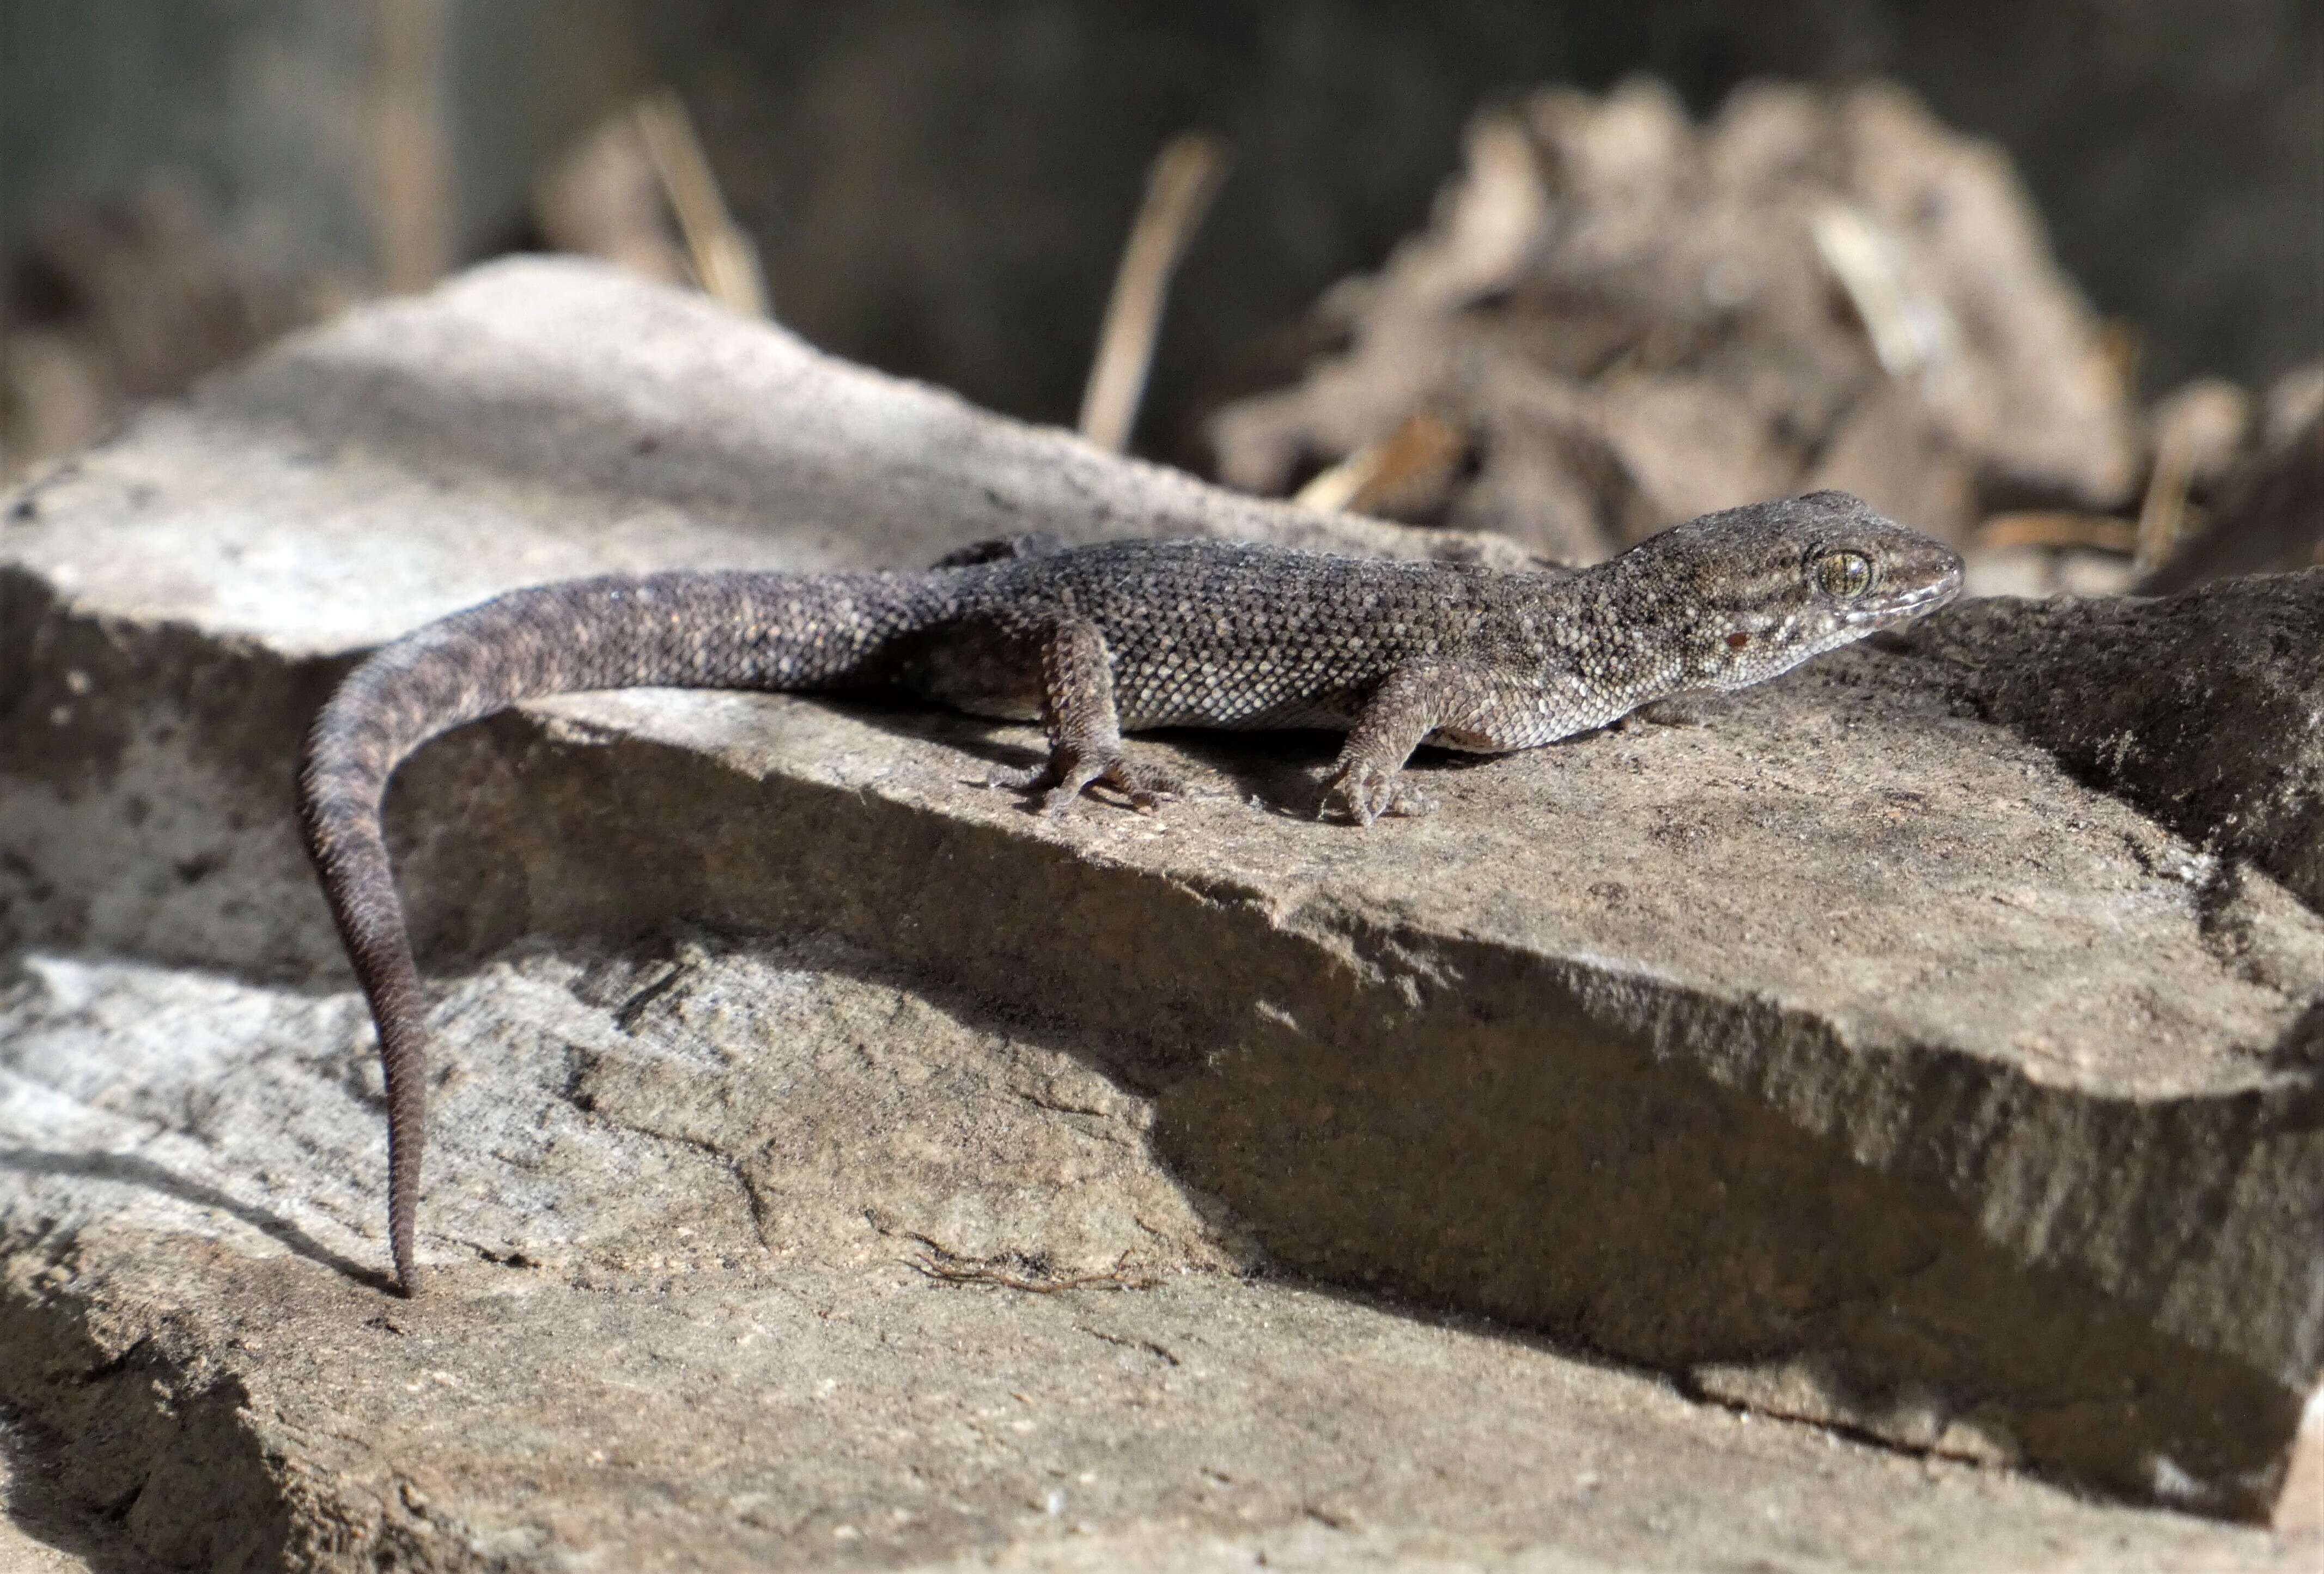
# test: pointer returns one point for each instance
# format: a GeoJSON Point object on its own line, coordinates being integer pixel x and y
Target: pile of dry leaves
{"type": "Point", "coordinates": [1618, 319]}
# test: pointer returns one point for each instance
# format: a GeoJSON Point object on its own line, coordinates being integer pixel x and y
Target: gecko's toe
{"type": "Point", "coordinates": [1364, 793]}
{"type": "Point", "coordinates": [1056, 787]}
{"type": "Point", "coordinates": [1408, 803]}
{"type": "Point", "coordinates": [1145, 787]}
{"type": "Point", "coordinates": [1066, 778]}
{"type": "Point", "coordinates": [1361, 792]}
{"type": "Point", "coordinates": [1030, 778]}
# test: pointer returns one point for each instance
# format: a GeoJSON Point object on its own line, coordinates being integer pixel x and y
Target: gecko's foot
{"type": "Point", "coordinates": [1056, 786]}
{"type": "Point", "coordinates": [1363, 793]}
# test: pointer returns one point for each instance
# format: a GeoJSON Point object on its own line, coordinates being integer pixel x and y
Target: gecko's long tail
{"type": "Point", "coordinates": [689, 630]}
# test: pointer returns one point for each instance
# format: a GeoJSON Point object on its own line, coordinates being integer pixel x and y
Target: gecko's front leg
{"type": "Point", "coordinates": [1476, 709]}
{"type": "Point", "coordinates": [1367, 779]}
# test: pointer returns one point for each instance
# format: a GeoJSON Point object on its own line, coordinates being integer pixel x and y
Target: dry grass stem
{"type": "Point", "coordinates": [1424, 449]}
{"type": "Point", "coordinates": [724, 261]}
{"type": "Point", "coordinates": [1185, 177]}
{"type": "Point", "coordinates": [1909, 330]}
{"type": "Point", "coordinates": [2162, 517]}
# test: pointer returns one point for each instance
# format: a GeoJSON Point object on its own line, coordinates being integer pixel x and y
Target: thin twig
{"type": "Point", "coordinates": [2162, 517]}
{"type": "Point", "coordinates": [605, 197]}
{"type": "Point", "coordinates": [725, 263]}
{"type": "Point", "coordinates": [1185, 177]}
{"type": "Point", "coordinates": [1423, 445]}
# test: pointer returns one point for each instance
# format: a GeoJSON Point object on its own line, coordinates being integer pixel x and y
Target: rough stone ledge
{"type": "Point", "coordinates": [1848, 1056]}
{"type": "Point", "coordinates": [757, 1257]}
{"type": "Point", "coordinates": [638, 1420]}
{"type": "Point", "coordinates": [2205, 709]}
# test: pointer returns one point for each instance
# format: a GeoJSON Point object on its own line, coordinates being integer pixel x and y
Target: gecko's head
{"type": "Point", "coordinates": [1773, 583]}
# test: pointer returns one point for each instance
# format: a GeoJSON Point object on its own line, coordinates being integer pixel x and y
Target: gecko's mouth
{"type": "Point", "coordinates": [1911, 604]}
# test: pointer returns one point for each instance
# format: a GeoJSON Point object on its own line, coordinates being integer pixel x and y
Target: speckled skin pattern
{"type": "Point", "coordinates": [1095, 641]}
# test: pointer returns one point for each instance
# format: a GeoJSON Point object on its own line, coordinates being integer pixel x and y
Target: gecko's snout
{"type": "Point", "coordinates": [1923, 575]}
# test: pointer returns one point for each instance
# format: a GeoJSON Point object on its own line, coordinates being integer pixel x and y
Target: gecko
{"type": "Point", "coordinates": [1097, 640]}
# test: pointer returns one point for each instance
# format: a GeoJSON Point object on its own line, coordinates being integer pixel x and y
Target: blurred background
{"type": "Point", "coordinates": [947, 191]}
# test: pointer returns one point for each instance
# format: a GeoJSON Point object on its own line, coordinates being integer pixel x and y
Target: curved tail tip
{"type": "Point", "coordinates": [410, 1280]}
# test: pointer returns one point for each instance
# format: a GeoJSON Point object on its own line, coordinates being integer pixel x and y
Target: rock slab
{"type": "Point", "coordinates": [1852, 1059]}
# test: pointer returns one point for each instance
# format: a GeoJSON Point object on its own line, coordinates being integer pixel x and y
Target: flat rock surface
{"type": "Point", "coordinates": [2205, 709]}
{"type": "Point", "coordinates": [912, 1292]}
{"type": "Point", "coordinates": [1848, 1058]}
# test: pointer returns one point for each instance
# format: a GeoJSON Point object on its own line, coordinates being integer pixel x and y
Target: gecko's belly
{"type": "Point", "coordinates": [999, 676]}
{"type": "Point", "coordinates": [1239, 706]}
{"type": "Point", "coordinates": [1279, 717]}
{"type": "Point", "coordinates": [1024, 706]}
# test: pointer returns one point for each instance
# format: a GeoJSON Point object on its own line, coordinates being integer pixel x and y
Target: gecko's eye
{"type": "Point", "coordinates": [1843, 575]}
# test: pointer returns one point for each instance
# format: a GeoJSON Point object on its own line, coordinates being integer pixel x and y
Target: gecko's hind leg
{"type": "Point", "coordinates": [1085, 746]}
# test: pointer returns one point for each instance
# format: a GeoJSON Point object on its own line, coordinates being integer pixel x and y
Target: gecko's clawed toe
{"type": "Point", "coordinates": [1058, 786]}
{"type": "Point", "coordinates": [1028, 779]}
{"type": "Point", "coordinates": [1145, 787]}
{"type": "Point", "coordinates": [1364, 793]}
{"type": "Point", "coordinates": [1408, 803]}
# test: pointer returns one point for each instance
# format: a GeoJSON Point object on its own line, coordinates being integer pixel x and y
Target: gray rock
{"type": "Point", "coordinates": [833, 1162]}
{"type": "Point", "coordinates": [758, 1257]}
{"type": "Point", "coordinates": [2205, 709]}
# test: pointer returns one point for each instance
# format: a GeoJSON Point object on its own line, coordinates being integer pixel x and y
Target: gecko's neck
{"type": "Point", "coordinates": [1610, 624]}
